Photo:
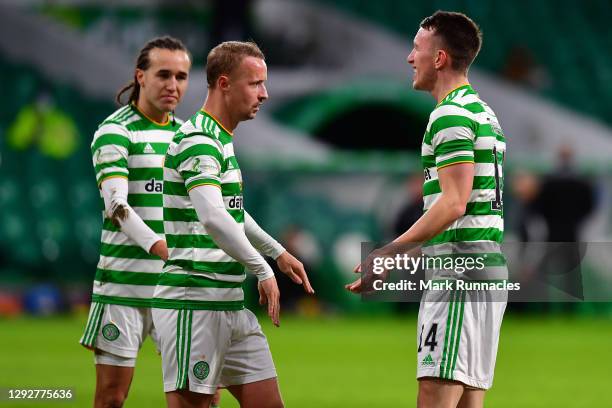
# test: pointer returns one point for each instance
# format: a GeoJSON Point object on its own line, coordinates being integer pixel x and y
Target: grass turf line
{"type": "Point", "coordinates": [336, 362]}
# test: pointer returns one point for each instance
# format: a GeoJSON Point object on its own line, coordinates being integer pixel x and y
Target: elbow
{"type": "Point", "coordinates": [457, 209]}
{"type": "Point", "coordinates": [209, 219]}
{"type": "Point", "coordinates": [208, 225]}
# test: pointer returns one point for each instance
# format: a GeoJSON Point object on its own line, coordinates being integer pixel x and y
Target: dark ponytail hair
{"type": "Point", "coordinates": [143, 62]}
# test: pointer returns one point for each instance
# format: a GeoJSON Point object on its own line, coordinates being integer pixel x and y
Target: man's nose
{"type": "Point", "coordinates": [172, 84]}
{"type": "Point", "coordinates": [263, 93]}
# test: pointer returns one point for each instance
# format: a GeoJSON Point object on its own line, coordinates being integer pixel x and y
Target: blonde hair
{"type": "Point", "coordinates": [227, 56]}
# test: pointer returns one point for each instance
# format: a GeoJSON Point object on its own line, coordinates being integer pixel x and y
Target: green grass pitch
{"type": "Point", "coordinates": [337, 362]}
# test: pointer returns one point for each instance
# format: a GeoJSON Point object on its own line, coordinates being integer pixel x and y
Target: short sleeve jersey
{"type": "Point", "coordinates": [463, 129]}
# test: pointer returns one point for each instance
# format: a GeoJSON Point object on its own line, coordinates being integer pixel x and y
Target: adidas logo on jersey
{"type": "Point", "coordinates": [428, 361]}
{"type": "Point", "coordinates": [149, 149]}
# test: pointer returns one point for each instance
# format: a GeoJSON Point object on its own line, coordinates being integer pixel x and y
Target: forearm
{"type": "Point", "coordinates": [225, 232]}
{"type": "Point", "coordinates": [260, 239]}
{"type": "Point", "coordinates": [116, 208]}
{"type": "Point", "coordinates": [438, 218]}
{"type": "Point", "coordinates": [455, 185]}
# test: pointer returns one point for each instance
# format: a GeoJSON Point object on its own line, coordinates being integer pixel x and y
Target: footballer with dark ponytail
{"type": "Point", "coordinates": [143, 62]}
{"type": "Point", "coordinates": [132, 141]}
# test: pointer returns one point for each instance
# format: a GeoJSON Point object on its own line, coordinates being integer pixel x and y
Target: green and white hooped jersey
{"type": "Point", "coordinates": [198, 274]}
{"type": "Point", "coordinates": [130, 145]}
{"type": "Point", "coordinates": [463, 128]}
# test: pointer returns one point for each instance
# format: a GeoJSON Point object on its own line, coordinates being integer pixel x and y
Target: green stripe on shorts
{"type": "Point", "coordinates": [452, 335]}
{"type": "Point", "coordinates": [94, 335]}
{"type": "Point", "coordinates": [92, 312]}
{"type": "Point", "coordinates": [459, 327]}
{"type": "Point", "coordinates": [188, 347]}
{"type": "Point", "coordinates": [89, 337]}
{"type": "Point", "coordinates": [449, 323]}
{"type": "Point", "coordinates": [183, 346]}
{"type": "Point", "coordinates": [93, 324]}
{"type": "Point", "coordinates": [178, 348]}
{"type": "Point", "coordinates": [451, 352]}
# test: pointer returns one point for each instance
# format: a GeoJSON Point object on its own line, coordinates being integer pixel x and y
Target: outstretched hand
{"type": "Point", "coordinates": [294, 269]}
{"type": "Point", "coordinates": [365, 282]}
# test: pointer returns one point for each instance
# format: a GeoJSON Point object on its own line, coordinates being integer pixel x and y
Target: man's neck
{"type": "Point", "coordinates": [446, 84]}
{"type": "Point", "coordinates": [151, 112]}
{"type": "Point", "coordinates": [215, 105]}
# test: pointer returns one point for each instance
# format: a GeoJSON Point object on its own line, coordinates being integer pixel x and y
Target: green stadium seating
{"type": "Point", "coordinates": [50, 219]}
{"type": "Point", "coordinates": [568, 38]}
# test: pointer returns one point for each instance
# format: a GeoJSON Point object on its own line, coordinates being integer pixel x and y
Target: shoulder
{"type": "Point", "coordinates": [118, 122]}
{"type": "Point", "coordinates": [197, 130]}
{"type": "Point", "coordinates": [192, 141]}
{"type": "Point", "coordinates": [113, 130]}
{"type": "Point", "coordinates": [122, 116]}
{"type": "Point", "coordinates": [452, 114]}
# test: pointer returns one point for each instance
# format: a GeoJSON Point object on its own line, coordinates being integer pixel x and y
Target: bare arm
{"type": "Point", "coordinates": [456, 185]}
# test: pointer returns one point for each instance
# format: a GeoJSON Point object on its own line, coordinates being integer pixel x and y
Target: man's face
{"type": "Point", "coordinates": [165, 81]}
{"type": "Point", "coordinates": [422, 59]}
{"type": "Point", "coordinates": [247, 89]}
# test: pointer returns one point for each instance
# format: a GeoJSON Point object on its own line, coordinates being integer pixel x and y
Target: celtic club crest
{"type": "Point", "coordinates": [110, 332]}
{"type": "Point", "coordinates": [201, 370]}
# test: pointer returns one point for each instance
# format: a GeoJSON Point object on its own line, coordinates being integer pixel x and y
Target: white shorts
{"type": "Point", "coordinates": [204, 349]}
{"type": "Point", "coordinates": [119, 330]}
{"type": "Point", "coordinates": [104, 358]}
{"type": "Point", "coordinates": [458, 334]}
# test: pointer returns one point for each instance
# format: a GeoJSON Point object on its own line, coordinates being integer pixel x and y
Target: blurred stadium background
{"type": "Point", "coordinates": [318, 175]}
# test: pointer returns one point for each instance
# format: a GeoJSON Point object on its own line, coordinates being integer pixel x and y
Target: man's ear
{"type": "Point", "coordinates": [442, 59]}
{"type": "Point", "coordinates": [139, 77]}
{"type": "Point", "coordinates": [223, 82]}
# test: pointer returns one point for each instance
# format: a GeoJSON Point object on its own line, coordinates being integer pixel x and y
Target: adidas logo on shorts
{"type": "Point", "coordinates": [428, 361]}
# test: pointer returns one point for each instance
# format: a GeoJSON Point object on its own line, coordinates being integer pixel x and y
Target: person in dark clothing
{"type": "Point", "coordinates": [565, 200]}
{"type": "Point", "coordinates": [413, 210]}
